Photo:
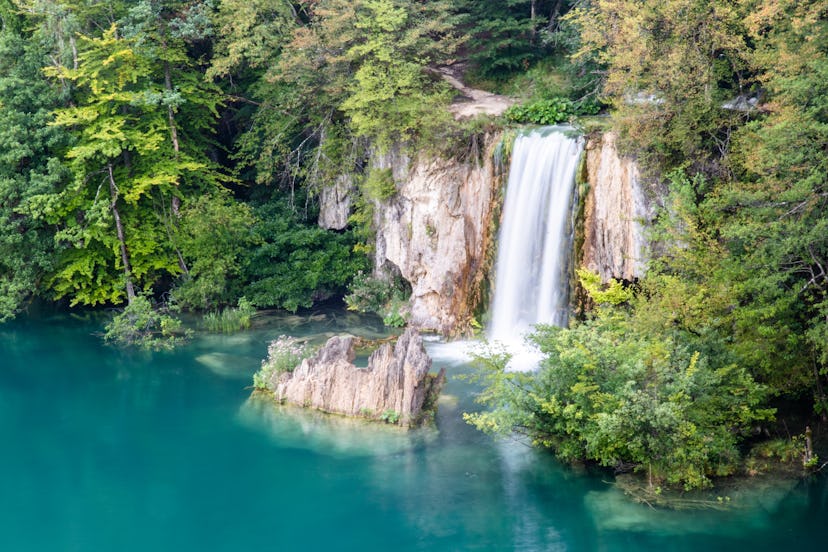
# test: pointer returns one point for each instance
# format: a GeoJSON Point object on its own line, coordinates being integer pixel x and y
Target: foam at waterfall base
{"type": "Point", "coordinates": [525, 357]}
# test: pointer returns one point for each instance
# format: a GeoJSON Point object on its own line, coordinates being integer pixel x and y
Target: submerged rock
{"type": "Point", "coordinates": [338, 436]}
{"type": "Point", "coordinates": [395, 387]}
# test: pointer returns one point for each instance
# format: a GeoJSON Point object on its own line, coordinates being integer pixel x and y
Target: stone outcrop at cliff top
{"type": "Point", "coordinates": [397, 380]}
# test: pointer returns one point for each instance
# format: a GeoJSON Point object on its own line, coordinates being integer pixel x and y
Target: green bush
{"type": "Point", "coordinates": [379, 184]}
{"type": "Point", "coordinates": [619, 392]}
{"type": "Point", "coordinates": [543, 112]}
{"type": "Point", "coordinates": [387, 298]}
{"type": "Point", "coordinates": [140, 325]}
{"type": "Point", "coordinates": [216, 237]}
{"type": "Point", "coordinates": [396, 312]}
{"type": "Point", "coordinates": [284, 354]}
{"type": "Point", "coordinates": [588, 106]}
{"type": "Point", "coordinates": [390, 416]}
{"type": "Point", "coordinates": [297, 263]}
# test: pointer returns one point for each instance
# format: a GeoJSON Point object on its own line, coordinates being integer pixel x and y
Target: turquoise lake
{"type": "Point", "coordinates": [105, 450]}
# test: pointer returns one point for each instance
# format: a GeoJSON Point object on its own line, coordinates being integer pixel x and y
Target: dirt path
{"type": "Point", "coordinates": [474, 102]}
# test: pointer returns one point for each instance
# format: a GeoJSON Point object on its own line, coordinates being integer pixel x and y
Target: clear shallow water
{"type": "Point", "coordinates": [104, 450]}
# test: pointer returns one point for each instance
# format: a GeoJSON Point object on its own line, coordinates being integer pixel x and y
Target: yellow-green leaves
{"type": "Point", "coordinates": [130, 157]}
{"type": "Point", "coordinates": [613, 293]}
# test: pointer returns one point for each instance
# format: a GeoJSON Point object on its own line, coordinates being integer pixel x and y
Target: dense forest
{"type": "Point", "coordinates": [168, 154]}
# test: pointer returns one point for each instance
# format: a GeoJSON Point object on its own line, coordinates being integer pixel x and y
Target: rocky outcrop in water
{"type": "Point", "coordinates": [396, 385]}
{"type": "Point", "coordinates": [436, 232]}
{"type": "Point", "coordinates": [615, 213]}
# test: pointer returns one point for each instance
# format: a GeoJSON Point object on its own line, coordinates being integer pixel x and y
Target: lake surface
{"type": "Point", "coordinates": [105, 450]}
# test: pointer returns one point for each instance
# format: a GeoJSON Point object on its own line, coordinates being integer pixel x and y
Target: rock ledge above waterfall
{"type": "Point", "coordinates": [395, 387]}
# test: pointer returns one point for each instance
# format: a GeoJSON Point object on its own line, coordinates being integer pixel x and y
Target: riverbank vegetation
{"type": "Point", "coordinates": [723, 105]}
{"type": "Point", "coordinates": [178, 147]}
{"type": "Point", "coordinates": [171, 153]}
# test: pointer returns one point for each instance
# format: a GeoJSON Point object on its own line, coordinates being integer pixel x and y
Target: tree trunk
{"type": "Point", "coordinates": [119, 227]}
{"type": "Point", "coordinates": [175, 202]}
{"type": "Point", "coordinates": [170, 113]}
{"type": "Point", "coordinates": [532, 19]}
{"type": "Point", "coordinates": [74, 52]}
{"type": "Point", "coordinates": [809, 448]}
{"type": "Point", "coordinates": [553, 15]}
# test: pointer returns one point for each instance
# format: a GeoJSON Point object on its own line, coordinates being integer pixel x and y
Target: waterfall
{"type": "Point", "coordinates": [535, 241]}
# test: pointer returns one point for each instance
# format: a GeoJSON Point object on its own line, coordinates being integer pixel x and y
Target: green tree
{"type": "Point", "coordinates": [669, 68]}
{"type": "Point", "coordinates": [774, 216]}
{"type": "Point", "coordinates": [217, 235]}
{"type": "Point", "coordinates": [122, 162]}
{"type": "Point", "coordinates": [297, 262]}
{"type": "Point", "coordinates": [171, 35]}
{"type": "Point", "coordinates": [392, 96]}
{"type": "Point", "coordinates": [506, 37]}
{"type": "Point", "coordinates": [283, 125]}
{"type": "Point", "coordinates": [326, 75]}
{"type": "Point", "coordinates": [28, 165]}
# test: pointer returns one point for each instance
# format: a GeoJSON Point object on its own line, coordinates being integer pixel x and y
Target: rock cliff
{"type": "Point", "coordinates": [396, 384]}
{"type": "Point", "coordinates": [335, 203]}
{"type": "Point", "coordinates": [436, 232]}
{"type": "Point", "coordinates": [616, 212]}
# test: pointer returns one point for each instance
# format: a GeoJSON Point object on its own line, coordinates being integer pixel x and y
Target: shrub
{"type": "Point", "coordinates": [396, 313]}
{"type": "Point", "coordinates": [284, 354]}
{"type": "Point", "coordinates": [296, 262]}
{"type": "Point", "coordinates": [379, 184]}
{"type": "Point", "coordinates": [390, 416]}
{"type": "Point", "coordinates": [216, 236]}
{"type": "Point", "coordinates": [387, 298]}
{"type": "Point", "coordinates": [543, 112]}
{"type": "Point", "coordinates": [231, 319]}
{"type": "Point", "coordinates": [140, 325]}
{"type": "Point", "coordinates": [624, 392]}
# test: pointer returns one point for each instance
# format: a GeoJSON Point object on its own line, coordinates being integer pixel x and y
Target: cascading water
{"type": "Point", "coordinates": [535, 242]}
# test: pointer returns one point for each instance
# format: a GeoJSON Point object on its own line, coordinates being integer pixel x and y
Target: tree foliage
{"type": "Point", "coordinates": [669, 68]}
{"type": "Point", "coordinates": [297, 263]}
{"type": "Point", "coordinates": [144, 326]}
{"type": "Point", "coordinates": [28, 167]}
{"type": "Point", "coordinates": [217, 236]}
{"type": "Point", "coordinates": [624, 393]}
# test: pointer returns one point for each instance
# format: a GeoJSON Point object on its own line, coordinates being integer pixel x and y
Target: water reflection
{"type": "Point", "coordinates": [167, 451]}
{"type": "Point", "coordinates": [326, 434]}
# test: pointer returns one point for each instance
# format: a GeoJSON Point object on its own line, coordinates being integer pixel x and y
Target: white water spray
{"type": "Point", "coordinates": [535, 242]}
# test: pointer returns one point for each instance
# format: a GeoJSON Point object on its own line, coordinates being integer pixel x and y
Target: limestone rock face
{"type": "Point", "coordinates": [615, 213]}
{"type": "Point", "coordinates": [335, 203]}
{"type": "Point", "coordinates": [436, 232]}
{"type": "Point", "coordinates": [396, 379]}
